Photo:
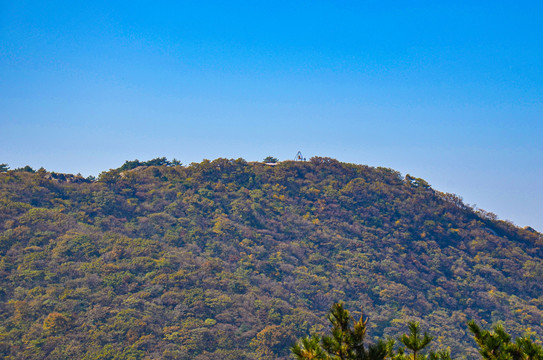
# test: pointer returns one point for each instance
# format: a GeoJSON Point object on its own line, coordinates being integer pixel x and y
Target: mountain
{"type": "Point", "coordinates": [227, 259]}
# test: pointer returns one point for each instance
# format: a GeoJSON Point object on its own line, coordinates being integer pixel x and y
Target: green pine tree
{"type": "Point", "coordinates": [498, 345]}
{"type": "Point", "coordinates": [346, 341]}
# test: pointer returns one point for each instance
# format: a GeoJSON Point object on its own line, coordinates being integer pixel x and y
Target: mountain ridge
{"type": "Point", "coordinates": [250, 256]}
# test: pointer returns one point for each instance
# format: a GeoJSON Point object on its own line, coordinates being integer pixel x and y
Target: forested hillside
{"type": "Point", "coordinates": [226, 259]}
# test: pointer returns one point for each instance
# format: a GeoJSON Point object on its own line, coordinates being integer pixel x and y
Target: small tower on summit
{"type": "Point", "coordinates": [299, 157]}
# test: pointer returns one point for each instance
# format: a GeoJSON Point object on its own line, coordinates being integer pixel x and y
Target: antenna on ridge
{"type": "Point", "coordinates": [299, 157]}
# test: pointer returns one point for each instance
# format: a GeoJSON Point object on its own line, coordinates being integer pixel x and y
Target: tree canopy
{"type": "Point", "coordinates": [346, 341]}
{"type": "Point", "coordinates": [229, 259]}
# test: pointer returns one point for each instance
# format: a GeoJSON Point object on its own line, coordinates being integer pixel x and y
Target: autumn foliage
{"type": "Point", "coordinates": [227, 259]}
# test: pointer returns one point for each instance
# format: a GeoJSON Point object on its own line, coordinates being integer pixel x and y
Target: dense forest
{"type": "Point", "coordinates": [229, 259]}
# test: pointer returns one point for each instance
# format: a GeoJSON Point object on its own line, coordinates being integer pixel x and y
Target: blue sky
{"type": "Point", "coordinates": [450, 92]}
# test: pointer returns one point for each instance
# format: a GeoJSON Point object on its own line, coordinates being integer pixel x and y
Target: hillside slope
{"type": "Point", "coordinates": [226, 259]}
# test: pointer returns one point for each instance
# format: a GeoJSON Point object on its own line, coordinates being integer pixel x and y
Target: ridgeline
{"type": "Point", "coordinates": [227, 259]}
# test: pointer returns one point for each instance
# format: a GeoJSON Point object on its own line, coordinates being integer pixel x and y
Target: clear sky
{"type": "Point", "coordinates": [450, 91]}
